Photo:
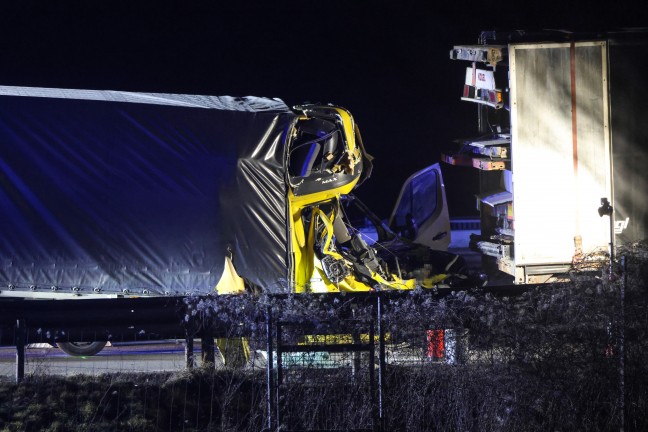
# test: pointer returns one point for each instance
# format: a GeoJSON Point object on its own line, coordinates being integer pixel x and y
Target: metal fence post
{"type": "Point", "coordinates": [270, 387]}
{"type": "Point", "coordinates": [20, 349]}
{"type": "Point", "coordinates": [381, 362]}
{"type": "Point", "coordinates": [279, 374]}
{"type": "Point", "coordinates": [372, 377]}
{"type": "Point", "coordinates": [624, 281]}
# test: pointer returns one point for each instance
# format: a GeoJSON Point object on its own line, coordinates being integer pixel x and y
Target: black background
{"type": "Point", "coordinates": [386, 61]}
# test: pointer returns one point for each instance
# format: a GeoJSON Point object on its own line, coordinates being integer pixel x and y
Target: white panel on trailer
{"type": "Point", "coordinates": [560, 149]}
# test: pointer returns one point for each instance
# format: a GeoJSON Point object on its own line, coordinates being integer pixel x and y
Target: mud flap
{"type": "Point", "coordinates": [235, 352]}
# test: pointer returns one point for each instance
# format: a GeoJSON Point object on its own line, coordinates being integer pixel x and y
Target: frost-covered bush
{"type": "Point", "coordinates": [567, 357]}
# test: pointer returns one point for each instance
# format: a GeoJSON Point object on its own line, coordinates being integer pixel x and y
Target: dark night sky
{"type": "Point", "coordinates": [386, 61]}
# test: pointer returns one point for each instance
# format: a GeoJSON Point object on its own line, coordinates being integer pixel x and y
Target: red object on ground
{"type": "Point", "coordinates": [435, 347]}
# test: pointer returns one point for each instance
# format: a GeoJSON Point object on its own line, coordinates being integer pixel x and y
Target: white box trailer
{"type": "Point", "coordinates": [573, 110]}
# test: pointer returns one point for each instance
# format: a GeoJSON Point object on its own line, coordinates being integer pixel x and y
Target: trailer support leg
{"type": "Point", "coordinates": [207, 346]}
{"type": "Point", "coordinates": [189, 350]}
{"type": "Point", "coordinates": [20, 349]}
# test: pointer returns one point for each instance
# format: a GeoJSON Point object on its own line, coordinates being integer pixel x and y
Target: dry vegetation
{"type": "Point", "coordinates": [557, 358]}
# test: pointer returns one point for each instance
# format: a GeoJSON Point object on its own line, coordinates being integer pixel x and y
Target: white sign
{"type": "Point", "coordinates": [480, 78]}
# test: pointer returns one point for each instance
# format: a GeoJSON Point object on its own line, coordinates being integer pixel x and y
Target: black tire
{"type": "Point", "coordinates": [81, 349]}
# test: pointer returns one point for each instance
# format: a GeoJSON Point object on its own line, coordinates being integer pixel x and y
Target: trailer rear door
{"type": "Point", "coordinates": [560, 151]}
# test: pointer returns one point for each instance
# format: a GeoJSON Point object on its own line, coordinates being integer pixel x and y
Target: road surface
{"type": "Point", "coordinates": [150, 357]}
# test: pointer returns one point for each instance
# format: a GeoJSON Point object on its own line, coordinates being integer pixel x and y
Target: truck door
{"type": "Point", "coordinates": [421, 211]}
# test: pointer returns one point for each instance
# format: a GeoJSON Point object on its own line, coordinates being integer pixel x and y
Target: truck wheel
{"type": "Point", "coordinates": [81, 348]}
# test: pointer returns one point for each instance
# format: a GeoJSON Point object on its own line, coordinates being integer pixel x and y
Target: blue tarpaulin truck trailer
{"type": "Point", "coordinates": [106, 193]}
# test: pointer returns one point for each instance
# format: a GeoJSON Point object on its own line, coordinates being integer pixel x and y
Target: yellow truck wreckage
{"type": "Point", "coordinates": [317, 223]}
{"type": "Point", "coordinates": [109, 194]}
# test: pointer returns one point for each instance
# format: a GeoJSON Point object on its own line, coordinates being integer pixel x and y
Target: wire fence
{"type": "Point", "coordinates": [568, 357]}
